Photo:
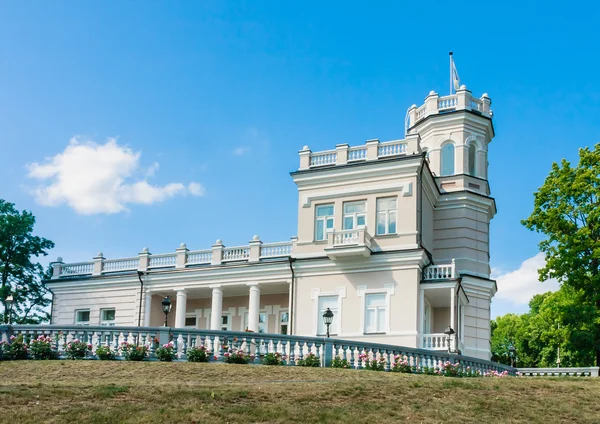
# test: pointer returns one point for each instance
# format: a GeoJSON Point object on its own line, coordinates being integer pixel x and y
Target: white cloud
{"type": "Point", "coordinates": [520, 285]}
{"type": "Point", "coordinates": [100, 178]}
{"type": "Point", "coordinates": [240, 151]}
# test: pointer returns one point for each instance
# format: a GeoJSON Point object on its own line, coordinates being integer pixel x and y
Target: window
{"type": "Point", "coordinates": [190, 321]}
{"type": "Point", "coordinates": [473, 158]}
{"type": "Point", "coordinates": [107, 317]}
{"type": "Point", "coordinates": [386, 216]}
{"type": "Point", "coordinates": [323, 221]}
{"type": "Point", "coordinates": [447, 159]}
{"type": "Point", "coordinates": [330, 302]}
{"type": "Point", "coordinates": [82, 317]}
{"type": "Point", "coordinates": [262, 322]}
{"type": "Point", "coordinates": [355, 215]}
{"type": "Point", "coordinates": [284, 319]}
{"type": "Point", "coordinates": [225, 323]}
{"type": "Point", "coordinates": [375, 313]}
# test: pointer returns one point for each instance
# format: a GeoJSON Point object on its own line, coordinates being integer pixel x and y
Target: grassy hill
{"type": "Point", "coordinates": [151, 392]}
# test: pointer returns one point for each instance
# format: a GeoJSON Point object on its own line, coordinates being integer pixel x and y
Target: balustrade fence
{"type": "Point", "coordinates": [294, 348]}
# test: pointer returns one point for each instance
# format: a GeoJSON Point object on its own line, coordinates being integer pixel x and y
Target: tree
{"type": "Point", "coordinates": [19, 275]}
{"type": "Point", "coordinates": [567, 212]}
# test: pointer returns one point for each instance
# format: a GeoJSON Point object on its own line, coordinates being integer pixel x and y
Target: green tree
{"type": "Point", "coordinates": [20, 275]}
{"type": "Point", "coordinates": [567, 211]}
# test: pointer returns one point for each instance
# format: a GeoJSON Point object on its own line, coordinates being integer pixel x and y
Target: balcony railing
{"type": "Point", "coordinates": [349, 243]}
{"type": "Point", "coordinates": [181, 258]}
{"type": "Point", "coordinates": [255, 344]}
{"type": "Point", "coordinates": [441, 272]}
{"type": "Point", "coordinates": [439, 341]}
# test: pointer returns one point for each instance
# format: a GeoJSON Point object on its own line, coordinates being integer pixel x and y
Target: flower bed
{"type": "Point", "coordinates": [132, 352]}
{"type": "Point", "coordinates": [309, 360]}
{"type": "Point", "coordinates": [42, 348]}
{"type": "Point", "coordinates": [166, 353]}
{"type": "Point", "coordinates": [198, 354]}
{"type": "Point", "coordinates": [274, 358]}
{"type": "Point", "coordinates": [236, 357]}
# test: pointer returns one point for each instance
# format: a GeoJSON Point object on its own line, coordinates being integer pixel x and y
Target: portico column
{"type": "Point", "coordinates": [147, 308]}
{"type": "Point", "coordinates": [180, 308]}
{"type": "Point", "coordinates": [253, 307]}
{"type": "Point", "coordinates": [217, 308]}
{"type": "Point", "coordinates": [452, 312]}
{"type": "Point", "coordinates": [422, 316]}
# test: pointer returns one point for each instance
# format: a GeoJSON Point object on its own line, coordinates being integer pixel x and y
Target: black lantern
{"type": "Point", "coordinates": [449, 332]}
{"type": "Point", "coordinates": [9, 301]}
{"type": "Point", "coordinates": [512, 353]}
{"type": "Point", "coordinates": [166, 305]}
{"type": "Point", "coordinates": [328, 319]}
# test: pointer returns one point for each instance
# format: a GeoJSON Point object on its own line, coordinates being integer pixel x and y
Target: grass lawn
{"type": "Point", "coordinates": [153, 392]}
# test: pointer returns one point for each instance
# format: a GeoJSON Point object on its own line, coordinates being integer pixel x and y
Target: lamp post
{"type": "Point", "coordinates": [166, 305]}
{"type": "Point", "coordinates": [512, 353]}
{"type": "Point", "coordinates": [328, 319]}
{"type": "Point", "coordinates": [9, 302]}
{"type": "Point", "coordinates": [449, 332]}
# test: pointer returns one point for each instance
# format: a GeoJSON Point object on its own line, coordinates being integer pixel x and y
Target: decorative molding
{"type": "Point", "coordinates": [406, 188]}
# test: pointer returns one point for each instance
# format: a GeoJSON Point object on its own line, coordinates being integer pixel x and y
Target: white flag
{"type": "Point", "coordinates": [454, 75]}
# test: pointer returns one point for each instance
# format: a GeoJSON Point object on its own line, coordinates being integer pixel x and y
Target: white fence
{"type": "Point", "coordinates": [559, 372]}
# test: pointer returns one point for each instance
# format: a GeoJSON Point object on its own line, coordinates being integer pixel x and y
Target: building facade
{"type": "Point", "coordinates": [392, 236]}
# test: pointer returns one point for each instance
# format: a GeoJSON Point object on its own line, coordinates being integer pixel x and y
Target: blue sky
{"type": "Point", "coordinates": [224, 94]}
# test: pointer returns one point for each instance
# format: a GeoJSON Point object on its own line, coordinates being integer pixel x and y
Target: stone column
{"type": "Point", "coordinates": [217, 308]}
{"type": "Point", "coordinates": [422, 315]}
{"type": "Point", "coordinates": [253, 307]}
{"type": "Point", "coordinates": [98, 263]}
{"type": "Point", "coordinates": [452, 311]}
{"type": "Point", "coordinates": [290, 306]}
{"type": "Point", "coordinates": [147, 308]}
{"type": "Point", "coordinates": [180, 308]}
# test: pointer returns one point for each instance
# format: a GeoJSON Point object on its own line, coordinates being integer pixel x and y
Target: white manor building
{"type": "Point", "coordinates": [393, 237]}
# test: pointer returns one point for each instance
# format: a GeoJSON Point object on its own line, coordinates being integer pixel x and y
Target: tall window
{"type": "Point", "coordinates": [323, 221]}
{"type": "Point", "coordinates": [284, 320]}
{"type": "Point", "coordinates": [262, 322]}
{"type": "Point", "coordinates": [190, 321]}
{"type": "Point", "coordinates": [472, 159]}
{"type": "Point", "coordinates": [225, 322]}
{"type": "Point", "coordinates": [107, 316]}
{"type": "Point", "coordinates": [82, 317]}
{"type": "Point", "coordinates": [386, 215]}
{"type": "Point", "coordinates": [447, 159]}
{"type": "Point", "coordinates": [355, 215]}
{"type": "Point", "coordinates": [375, 312]}
{"type": "Point", "coordinates": [330, 302]}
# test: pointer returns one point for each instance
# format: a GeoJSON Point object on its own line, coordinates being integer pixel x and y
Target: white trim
{"type": "Point", "coordinates": [110, 322]}
{"type": "Point", "coordinates": [315, 294]}
{"type": "Point", "coordinates": [76, 322]}
{"type": "Point", "coordinates": [405, 188]}
{"type": "Point", "coordinates": [389, 290]}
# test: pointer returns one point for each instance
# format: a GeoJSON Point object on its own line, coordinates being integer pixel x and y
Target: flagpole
{"type": "Point", "coordinates": [451, 83]}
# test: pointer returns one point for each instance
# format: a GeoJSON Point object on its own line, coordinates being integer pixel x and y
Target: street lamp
{"type": "Point", "coordinates": [9, 301]}
{"type": "Point", "coordinates": [449, 332]}
{"type": "Point", "coordinates": [328, 319]}
{"type": "Point", "coordinates": [512, 353]}
{"type": "Point", "coordinates": [166, 305]}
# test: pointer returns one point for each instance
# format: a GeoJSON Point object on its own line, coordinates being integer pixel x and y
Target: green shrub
{"type": "Point", "coordinates": [236, 357]}
{"type": "Point", "coordinates": [77, 349]}
{"type": "Point", "coordinates": [309, 360]}
{"type": "Point", "coordinates": [104, 353]}
{"type": "Point", "coordinates": [198, 354]}
{"type": "Point", "coordinates": [41, 348]}
{"type": "Point", "coordinates": [16, 349]}
{"type": "Point", "coordinates": [131, 352]}
{"type": "Point", "coordinates": [166, 353]}
{"type": "Point", "coordinates": [340, 363]}
{"type": "Point", "coordinates": [372, 364]}
{"type": "Point", "coordinates": [401, 365]}
{"type": "Point", "coordinates": [274, 358]}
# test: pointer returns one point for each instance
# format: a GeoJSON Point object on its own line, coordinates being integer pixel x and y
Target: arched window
{"type": "Point", "coordinates": [447, 159]}
{"type": "Point", "coordinates": [473, 159]}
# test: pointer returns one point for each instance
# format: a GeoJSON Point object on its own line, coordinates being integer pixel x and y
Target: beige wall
{"type": "Point", "coordinates": [440, 319]}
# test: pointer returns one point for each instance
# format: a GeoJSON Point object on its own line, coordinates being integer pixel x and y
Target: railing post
{"type": "Point", "coordinates": [57, 267]}
{"type": "Point", "coordinates": [255, 247]}
{"type": "Point", "coordinates": [412, 116]}
{"type": "Point", "coordinates": [463, 97]}
{"type": "Point", "coordinates": [327, 357]}
{"type": "Point", "coordinates": [217, 253]}
{"type": "Point", "coordinates": [144, 259]}
{"type": "Point", "coordinates": [98, 264]}
{"type": "Point", "coordinates": [431, 103]}
{"type": "Point", "coordinates": [164, 335]}
{"type": "Point", "coordinates": [181, 256]}
{"type": "Point", "coordinates": [304, 157]}
{"type": "Point", "coordinates": [412, 144]}
{"type": "Point", "coordinates": [453, 269]}
{"type": "Point", "coordinates": [342, 154]}
{"type": "Point", "coordinates": [372, 149]}
{"type": "Point", "coordinates": [594, 371]}
{"type": "Point", "coordinates": [486, 103]}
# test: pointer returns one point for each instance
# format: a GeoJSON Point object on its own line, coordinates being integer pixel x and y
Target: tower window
{"type": "Point", "coordinates": [473, 159]}
{"type": "Point", "coordinates": [447, 159]}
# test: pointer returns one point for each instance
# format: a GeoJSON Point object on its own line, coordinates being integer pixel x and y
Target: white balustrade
{"type": "Point", "coordinates": [236, 253]}
{"type": "Point", "coordinates": [448, 102]}
{"type": "Point", "coordinates": [126, 264]}
{"type": "Point", "coordinates": [357, 153]}
{"type": "Point", "coordinates": [421, 112]}
{"type": "Point", "coordinates": [476, 104]}
{"type": "Point", "coordinates": [435, 341]}
{"type": "Point", "coordinates": [162, 261]}
{"type": "Point", "coordinates": [328, 157]}
{"type": "Point", "coordinates": [81, 268]}
{"type": "Point", "coordinates": [440, 272]}
{"type": "Point", "coordinates": [351, 237]}
{"type": "Point", "coordinates": [559, 372]}
{"type": "Point", "coordinates": [197, 257]}
{"type": "Point", "coordinates": [273, 250]}
{"type": "Point", "coordinates": [392, 148]}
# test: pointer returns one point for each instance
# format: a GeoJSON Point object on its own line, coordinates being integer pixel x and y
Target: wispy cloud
{"type": "Point", "coordinates": [520, 285]}
{"type": "Point", "coordinates": [95, 178]}
{"type": "Point", "coordinates": [241, 151]}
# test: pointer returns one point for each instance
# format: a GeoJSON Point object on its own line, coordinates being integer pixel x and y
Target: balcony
{"type": "Point", "coordinates": [441, 272]}
{"type": "Point", "coordinates": [438, 341]}
{"type": "Point", "coordinates": [347, 244]}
